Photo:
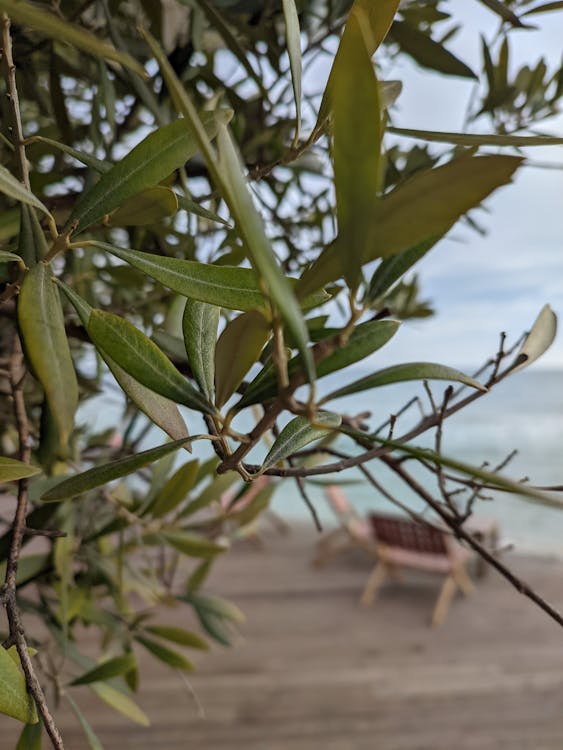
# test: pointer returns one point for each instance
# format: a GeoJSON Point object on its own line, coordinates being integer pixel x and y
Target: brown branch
{"type": "Point", "coordinates": [457, 527]}
{"type": "Point", "coordinates": [17, 374]}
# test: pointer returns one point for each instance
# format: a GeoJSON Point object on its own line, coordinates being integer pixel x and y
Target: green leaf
{"type": "Point", "coordinates": [478, 139]}
{"type": "Point", "coordinates": [150, 162]}
{"type": "Point", "coordinates": [227, 172]}
{"type": "Point", "coordinates": [215, 605]}
{"type": "Point", "coordinates": [293, 41]}
{"type": "Point", "coordinates": [191, 544]}
{"type": "Point", "coordinates": [424, 207]}
{"type": "Point", "coordinates": [356, 148]}
{"type": "Point", "coordinates": [400, 373]}
{"type": "Point", "coordinates": [165, 654]}
{"type": "Point", "coordinates": [53, 27]}
{"type": "Point", "coordinates": [178, 635]}
{"type": "Point", "coordinates": [31, 737]}
{"type": "Point", "coordinates": [160, 410]}
{"type": "Point", "coordinates": [106, 670]}
{"type": "Point", "coordinates": [251, 229]}
{"type": "Point", "coordinates": [391, 269]}
{"type": "Point", "coordinates": [90, 161]}
{"type": "Point", "coordinates": [366, 338]}
{"type": "Point", "coordinates": [143, 360]}
{"type": "Point", "coordinates": [6, 257]}
{"type": "Point", "coordinates": [298, 433]}
{"type": "Point", "coordinates": [211, 493]}
{"type": "Point", "coordinates": [238, 348]}
{"type": "Point", "coordinates": [14, 698]}
{"type": "Point", "coordinates": [120, 702]}
{"type": "Point", "coordinates": [175, 490]}
{"type": "Point", "coordinates": [187, 204]}
{"type": "Point", "coordinates": [199, 325]}
{"type": "Point", "coordinates": [230, 287]}
{"type": "Point", "coordinates": [100, 475]}
{"type": "Point", "coordinates": [41, 322]}
{"type": "Point", "coordinates": [538, 341]}
{"type": "Point", "coordinates": [427, 52]}
{"type": "Point", "coordinates": [12, 187]}
{"type": "Point", "coordinates": [147, 207]}
{"type": "Point", "coordinates": [12, 470]}
{"type": "Point", "coordinates": [374, 21]}
{"type": "Point", "coordinates": [544, 8]}
{"type": "Point", "coordinates": [93, 742]}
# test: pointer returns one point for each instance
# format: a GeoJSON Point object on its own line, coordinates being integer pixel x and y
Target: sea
{"type": "Point", "coordinates": [523, 413]}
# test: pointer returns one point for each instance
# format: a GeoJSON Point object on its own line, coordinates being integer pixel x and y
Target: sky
{"type": "Point", "coordinates": [481, 286]}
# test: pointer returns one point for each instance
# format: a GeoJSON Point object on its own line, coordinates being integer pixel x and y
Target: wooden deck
{"type": "Point", "coordinates": [313, 671]}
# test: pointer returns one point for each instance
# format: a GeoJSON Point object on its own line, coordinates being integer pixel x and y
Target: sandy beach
{"type": "Point", "coordinates": [311, 669]}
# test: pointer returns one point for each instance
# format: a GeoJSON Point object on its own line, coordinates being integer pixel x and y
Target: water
{"type": "Point", "coordinates": [525, 412]}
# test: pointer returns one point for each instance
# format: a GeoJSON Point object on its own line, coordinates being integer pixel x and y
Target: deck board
{"type": "Point", "coordinates": [313, 670]}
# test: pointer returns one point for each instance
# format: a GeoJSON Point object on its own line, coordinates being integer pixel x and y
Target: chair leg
{"type": "Point", "coordinates": [444, 600]}
{"type": "Point", "coordinates": [463, 580]}
{"type": "Point", "coordinates": [373, 584]}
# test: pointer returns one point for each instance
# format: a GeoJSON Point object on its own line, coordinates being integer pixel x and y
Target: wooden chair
{"type": "Point", "coordinates": [403, 543]}
{"type": "Point", "coordinates": [355, 531]}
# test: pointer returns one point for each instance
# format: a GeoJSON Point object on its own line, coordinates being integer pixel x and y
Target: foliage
{"type": "Point", "coordinates": [181, 230]}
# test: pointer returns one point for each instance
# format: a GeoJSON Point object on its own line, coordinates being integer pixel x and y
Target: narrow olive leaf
{"type": "Point", "coordinates": [251, 228]}
{"type": "Point", "coordinates": [187, 204]}
{"type": "Point", "coordinates": [100, 475]}
{"type": "Point", "coordinates": [143, 360]}
{"type": "Point", "coordinates": [191, 544]}
{"type": "Point", "coordinates": [12, 470]}
{"type": "Point", "coordinates": [293, 42]}
{"type": "Point", "coordinates": [107, 669]}
{"type": "Point", "coordinates": [389, 92]}
{"type": "Point", "coordinates": [367, 338]}
{"type": "Point", "coordinates": [223, 286]}
{"type": "Point", "coordinates": [120, 702]}
{"type": "Point", "coordinates": [41, 322]}
{"type": "Point", "coordinates": [53, 27]}
{"type": "Point", "coordinates": [477, 139]}
{"type": "Point", "coordinates": [199, 325]}
{"type": "Point", "coordinates": [489, 479]}
{"type": "Point", "coordinates": [165, 654]}
{"type": "Point", "coordinates": [498, 7]}
{"type": "Point", "coordinates": [400, 373]}
{"type": "Point", "coordinates": [147, 207]}
{"type": "Point", "coordinates": [160, 410]}
{"type": "Point", "coordinates": [538, 341]}
{"type": "Point", "coordinates": [7, 257]}
{"type": "Point", "coordinates": [227, 172]}
{"type": "Point", "coordinates": [374, 21]}
{"type": "Point", "coordinates": [174, 491]}
{"type": "Point", "coordinates": [238, 348]}
{"type": "Point", "coordinates": [31, 737]}
{"type": "Point", "coordinates": [391, 269]}
{"type": "Point", "coordinates": [12, 187]}
{"type": "Point", "coordinates": [178, 635]}
{"type": "Point", "coordinates": [150, 162]}
{"type": "Point", "coordinates": [230, 287]}
{"type": "Point", "coordinates": [356, 148]}
{"type": "Point", "coordinates": [211, 493]}
{"type": "Point", "coordinates": [425, 206]}
{"type": "Point", "coordinates": [98, 165]}
{"type": "Point", "coordinates": [544, 8]}
{"type": "Point", "coordinates": [93, 742]}
{"type": "Point", "coordinates": [298, 433]}
{"type": "Point", "coordinates": [15, 701]}
{"type": "Point", "coordinates": [214, 605]}
{"type": "Point", "coordinates": [427, 52]}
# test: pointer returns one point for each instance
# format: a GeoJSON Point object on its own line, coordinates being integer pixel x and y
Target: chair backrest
{"type": "Point", "coordinates": [401, 532]}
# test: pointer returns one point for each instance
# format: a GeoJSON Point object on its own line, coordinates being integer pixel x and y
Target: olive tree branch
{"type": "Point", "coordinates": [17, 372]}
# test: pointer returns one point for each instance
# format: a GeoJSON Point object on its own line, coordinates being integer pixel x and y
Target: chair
{"type": "Point", "coordinates": [403, 543]}
{"type": "Point", "coordinates": [354, 531]}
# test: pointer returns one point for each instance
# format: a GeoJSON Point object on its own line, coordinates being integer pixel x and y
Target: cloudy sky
{"type": "Point", "coordinates": [483, 285]}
